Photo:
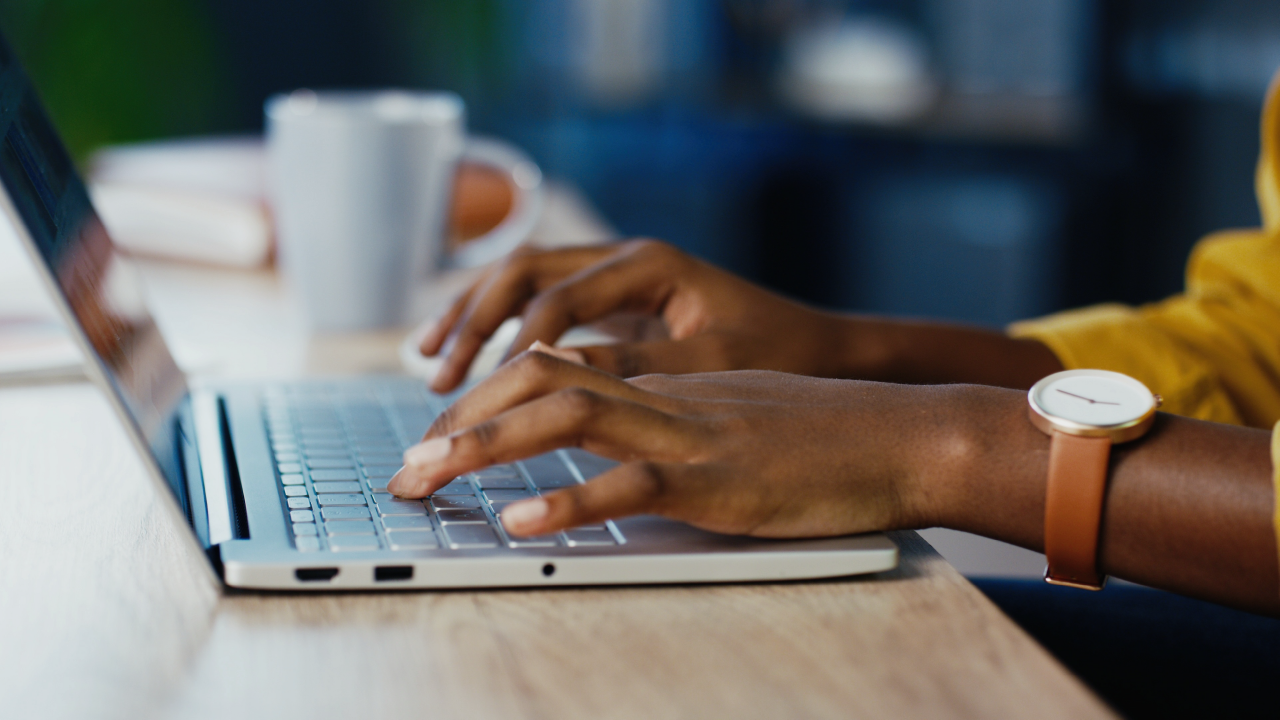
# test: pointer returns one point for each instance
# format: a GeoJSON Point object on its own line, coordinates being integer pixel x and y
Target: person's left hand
{"type": "Point", "coordinates": [750, 452]}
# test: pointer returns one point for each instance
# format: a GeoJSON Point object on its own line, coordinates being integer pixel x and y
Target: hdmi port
{"type": "Point", "coordinates": [315, 574]}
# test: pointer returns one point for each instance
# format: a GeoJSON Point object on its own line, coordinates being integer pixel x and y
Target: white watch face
{"type": "Point", "coordinates": [1094, 397]}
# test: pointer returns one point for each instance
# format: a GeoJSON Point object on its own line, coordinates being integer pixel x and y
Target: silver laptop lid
{"type": "Point", "coordinates": [47, 202]}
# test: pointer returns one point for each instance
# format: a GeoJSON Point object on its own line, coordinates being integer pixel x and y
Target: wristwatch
{"type": "Point", "coordinates": [1085, 412]}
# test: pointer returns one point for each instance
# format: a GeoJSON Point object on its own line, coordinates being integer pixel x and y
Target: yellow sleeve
{"type": "Point", "coordinates": [1212, 352]}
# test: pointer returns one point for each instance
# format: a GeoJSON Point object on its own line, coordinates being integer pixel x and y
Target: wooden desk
{"type": "Point", "coordinates": [105, 612]}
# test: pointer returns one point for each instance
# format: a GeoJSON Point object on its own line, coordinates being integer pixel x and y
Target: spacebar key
{"type": "Point", "coordinates": [470, 536]}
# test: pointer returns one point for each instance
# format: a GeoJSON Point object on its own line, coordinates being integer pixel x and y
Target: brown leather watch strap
{"type": "Point", "coordinates": [1073, 508]}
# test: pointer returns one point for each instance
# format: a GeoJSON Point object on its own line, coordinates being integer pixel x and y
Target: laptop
{"type": "Point", "coordinates": [283, 484]}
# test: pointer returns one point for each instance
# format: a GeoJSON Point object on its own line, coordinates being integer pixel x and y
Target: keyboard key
{"type": "Point", "coordinates": [497, 471]}
{"type": "Point", "coordinates": [334, 513]}
{"type": "Point", "coordinates": [341, 499]}
{"type": "Point", "coordinates": [469, 515]}
{"type": "Point", "coordinates": [339, 451]}
{"type": "Point", "coordinates": [287, 468]}
{"type": "Point", "coordinates": [304, 529]}
{"type": "Point", "coordinates": [549, 471]}
{"type": "Point", "coordinates": [390, 453]}
{"type": "Point", "coordinates": [387, 505]}
{"type": "Point", "coordinates": [506, 496]}
{"type": "Point", "coordinates": [456, 487]}
{"type": "Point", "coordinates": [337, 487]}
{"type": "Point", "coordinates": [412, 540]}
{"type": "Point", "coordinates": [293, 479]}
{"type": "Point", "coordinates": [314, 445]}
{"type": "Point", "coordinates": [471, 536]}
{"type": "Point", "coordinates": [321, 434]}
{"type": "Point", "coordinates": [326, 475]}
{"type": "Point", "coordinates": [302, 516]}
{"type": "Point", "coordinates": [539, 541]}
{"type": "Point", "coordinates": [378, 484]}
{"type": "Point", "coordinates": [384, 460]}
{"type": "Point", "coordinates": [580, 538]}
{"type": "Point", "coordinates": [299, 503]}
{"type": "Point", "coordinates": [307, 543]}
{"type": "Point", "coordinates": [454, 501]}
{"type": "Point", "coordinates": [344, 543]}
{"type": "Point", "coordinates": [394, 522]}
{"type": "Point", "coordinates": [381, 470]}
{"type": "Point", "coordinates": [416, 424]}
{"type": "Point", "coordinates": [330, 463]}
{"type": "Point", "coordinates": [502, 482]}
{"type": "Point", "coordinates": [295, 491]}
{"type": "Point", "coordinates": [284, 445]}
{"type": "Point", "coordinates": [349, 527]}
{"type": "Point", "coordinates": [287, 457]}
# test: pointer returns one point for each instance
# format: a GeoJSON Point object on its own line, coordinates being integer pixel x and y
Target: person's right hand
{"type": "Point", "coordinates": [753, 453]}
{"type": "Point", "coordinates": [713, 320]}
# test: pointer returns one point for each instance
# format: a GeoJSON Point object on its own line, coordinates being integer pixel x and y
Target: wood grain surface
{"type": "Point", "coordinates": [107, 612]}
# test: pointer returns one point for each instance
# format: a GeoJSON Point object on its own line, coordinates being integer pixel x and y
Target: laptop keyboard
{"type": "Point", "coordinates": [336, 448]}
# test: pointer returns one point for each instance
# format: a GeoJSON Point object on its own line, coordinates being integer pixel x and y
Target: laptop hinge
{"type": "Point", "coordinates": [235, 491]}
{"type": "Point", "coordinates": [211, 437]}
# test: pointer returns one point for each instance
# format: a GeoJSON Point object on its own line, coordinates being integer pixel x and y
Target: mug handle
{"type": "Point", "coordinates": [526, 204]}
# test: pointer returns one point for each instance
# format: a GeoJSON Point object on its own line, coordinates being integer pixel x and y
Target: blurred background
{"type": "Point", "coordinates": [979, 160]}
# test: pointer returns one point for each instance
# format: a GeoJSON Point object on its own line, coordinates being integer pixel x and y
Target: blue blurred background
{"type": "Point", "coordinates": [978, 160]}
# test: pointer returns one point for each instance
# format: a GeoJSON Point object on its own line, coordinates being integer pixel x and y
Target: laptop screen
{"type": "Point", "coordinates": [96, 280]}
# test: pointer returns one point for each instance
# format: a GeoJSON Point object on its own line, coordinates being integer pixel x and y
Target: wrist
{"type": "Point", "coordinates": [985, 469]}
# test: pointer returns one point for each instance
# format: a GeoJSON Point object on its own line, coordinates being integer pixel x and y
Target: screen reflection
{"type": "Point", "coordinates": [102, 290]}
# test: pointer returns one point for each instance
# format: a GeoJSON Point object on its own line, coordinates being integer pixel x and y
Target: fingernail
{"type": "Point", "coordinates": [524, 516]}
{"type": "Point", "coordinates": [440, 383]}
{"type": "Point", "coordinates": [569, 354]}
{"type": "Point", "coordinates": [395, 483]}
{"type": "Point", "coordinates": [433, 450]}
{"type": "Point", "coordinates": [429, 330]}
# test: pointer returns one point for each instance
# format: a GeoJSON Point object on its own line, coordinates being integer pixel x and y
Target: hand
{"type": "Point", "coordinates": [713, 320]}
{"type": "Point", "coordinates": [756, 453]}
{"type": "Point", "coordinates": [776, 455]}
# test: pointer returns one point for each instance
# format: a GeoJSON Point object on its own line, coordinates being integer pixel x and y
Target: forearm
{"type": "Point", "coordinates": [1188, 507]}
{"type": "Point", "coordinates": [908, 351]}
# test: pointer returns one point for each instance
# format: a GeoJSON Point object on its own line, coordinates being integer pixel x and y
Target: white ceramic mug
{"type": "Point", "coordinates": [360, 186]}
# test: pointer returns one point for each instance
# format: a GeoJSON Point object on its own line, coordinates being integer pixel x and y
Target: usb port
{"type": "Point", "coordinates": [393, 572]}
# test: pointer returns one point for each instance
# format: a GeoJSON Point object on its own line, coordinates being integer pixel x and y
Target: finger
{"type": "Point", "coordinates": [433, 339]}
{"type": "Point", "coordinates": [700, 353]}
{"type": "Point", "coordinates": [632, 489]}
{"type": "Point", "coordinates": [528, 377]}
{"type": "Point", "coordinates": [504, 294]}
{"type": "Point", "coordinates": [575, 417]}
{"type": "Point", "coordinates": [638, 279]}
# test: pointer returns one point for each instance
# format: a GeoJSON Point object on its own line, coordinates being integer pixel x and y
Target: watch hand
{"type": "Point", "coordinates": [1091, 401]}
